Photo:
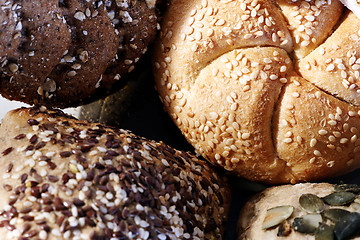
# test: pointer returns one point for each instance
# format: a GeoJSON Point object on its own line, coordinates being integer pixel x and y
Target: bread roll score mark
{"type": "Point", "coordinates": [224, 74]}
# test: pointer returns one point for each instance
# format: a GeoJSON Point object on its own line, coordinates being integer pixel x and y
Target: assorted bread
{"type": "Point", "coordinates": [62, 178]}
{"type": "Point", "coordinates": [266, 89]}
{"type": "Point", "coordinates": [66, 53]}
{"type": "Point", "coordinates": [302, 211]}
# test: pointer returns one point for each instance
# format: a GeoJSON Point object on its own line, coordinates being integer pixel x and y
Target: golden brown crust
{"type": "Point", "coordinates": [310, 22]}
{"type": "Point", "coordinates": [232, 94]}
{"type": "Point", "coordinates": [315, 133]}
{"type": "Point", "coordinates": [335, 65]}
{"type": "Point", "coordinates": [62, 178]}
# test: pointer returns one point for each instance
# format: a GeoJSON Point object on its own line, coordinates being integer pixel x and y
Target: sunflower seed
{"type": "Point", "coordinates": [335, 214]}
{"type": "Point", "coordinates": [311, 203]}
{"type": "Point", "coordinates": [324, 232]}
{"type": "Point", "coordinates": [307, 223]}
{"type": "Point", "coordinates": [339, 198]}
{"type": "Point", "coordinates": [275, 216]}
{"type": "Point", "coordinates": [348, 226]}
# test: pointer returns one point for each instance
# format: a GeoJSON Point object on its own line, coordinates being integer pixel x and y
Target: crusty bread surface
{"type": "Point", "coordinates": [66, 53]}
{"type": "Point", "coordinates": [266, 89]}
{"type": "Point", "coordinates": [67, 179]}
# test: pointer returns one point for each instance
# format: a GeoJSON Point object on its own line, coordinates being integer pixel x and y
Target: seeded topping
{"type": "Point", "coordinates": [234, 77]}
{"type": "Point", "coordinates": [337, 61]}
{"type": "Point", "coordinates": [309, 22]}
{"type": "Point", "coordinates": [320, 210]}
{"type": "Point", "coordinates": [56, 45]}
{"type": "Point", "coordinates": [96, 182]}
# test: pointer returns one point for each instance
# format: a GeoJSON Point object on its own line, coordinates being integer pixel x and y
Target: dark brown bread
{"type": "Point", "coordinates": [68, 52]}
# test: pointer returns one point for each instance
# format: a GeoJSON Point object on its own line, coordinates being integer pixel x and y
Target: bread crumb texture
{"type": "Point", "coordinates": [67, 179]}
{"type": "Point", "coordinates": [269, 90]}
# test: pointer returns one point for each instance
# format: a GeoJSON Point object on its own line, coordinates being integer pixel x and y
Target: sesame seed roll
{"type": "Point", "coordinates": [269, 90]}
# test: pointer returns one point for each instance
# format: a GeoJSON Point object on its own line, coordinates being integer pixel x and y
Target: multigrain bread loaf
{"type": "Point", "coordinates": [67, 179]}
{"type": "Point", "coordinates": [267, 215]}
{"type": "Point", "coordinates": [68, 52]}
{"type": "Point", "coordinates": [267, 89]}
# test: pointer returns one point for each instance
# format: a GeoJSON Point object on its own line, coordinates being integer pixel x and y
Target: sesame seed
{"type": "Point", "coordinates": [245, 136]}
{"type": "Point", "coordinates": [13, 67]}
{"type": "Point", "coordinates": [332, 122]}
{"type": "Point", "coordinates": [323, 132]}
{"type": "Point", "coordinates": [317, 153]}
{"type": "Point", "coordinates": [313, 142]}
{"type": "Point", "coordinates": [79, 16]}
{"type": "Point", "coordinates": [330, 164]}
{"type": "Point", "coordinates": [283, 80]}
{"type": "Point", "coordinates": [330, 67]}
{"type": "Point", "coordinates": [295, 94]}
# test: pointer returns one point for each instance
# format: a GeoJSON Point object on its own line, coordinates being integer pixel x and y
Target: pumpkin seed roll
{"type": "Point", "coordinates": [302, 211]}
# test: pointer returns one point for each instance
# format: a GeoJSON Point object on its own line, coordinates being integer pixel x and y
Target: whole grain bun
{"type": "Point", "coordinates": [67, 179]}
{"type": "Point", "coordinates": [252, 217]}
{"type": "Point", "coordinates": [266, 89]}
{"type": "Point", "coordinates": [65, 53]}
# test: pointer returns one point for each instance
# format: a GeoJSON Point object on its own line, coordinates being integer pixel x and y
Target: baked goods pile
{"type": "Point", "coordinates": [63, 178]}
{"type": "Point", "coordinates": [269, 90]}
{"type": "Point", "coordinates": [65, 53]}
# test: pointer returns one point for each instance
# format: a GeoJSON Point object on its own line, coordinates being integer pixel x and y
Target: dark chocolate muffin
{"type": "Point", "coordinates": [69, 52]}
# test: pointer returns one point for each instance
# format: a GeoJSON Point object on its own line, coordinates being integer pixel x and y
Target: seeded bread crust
{"type": "Point", "coordinates": [235, 76]}
{"type": "Point", "coordinates": [66, 53]}
{"type": "Point", "coordinates": [67, 179]}
{"type": "Point", "coordinates": [254, 211]}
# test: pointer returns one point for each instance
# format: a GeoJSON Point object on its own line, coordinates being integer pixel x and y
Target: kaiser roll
{"type": "Point", "coordinates": [67, 179]}
{"type": "Point", "coordinates": [269, 90]}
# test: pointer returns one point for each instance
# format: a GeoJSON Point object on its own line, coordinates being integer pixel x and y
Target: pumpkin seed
{"type": "Point", "coordinates": [307, 223]}
{"type": "Point", "coordinates": [335, 214]}
{"type": "Point", "coordinates": [324, 232]}
{"type": "Point", "coordinates": [348, 226]}
{"type": "Point", "coordinates": [284, 229]}
{"type": "Point", "coordinates": [347, 188]}
{"type": "Point", "coordinates": [311, 203]}
{"type": "Point", "coordinates": [275, 216]}
{"type": "Point", "coordinates": [339, 198]}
